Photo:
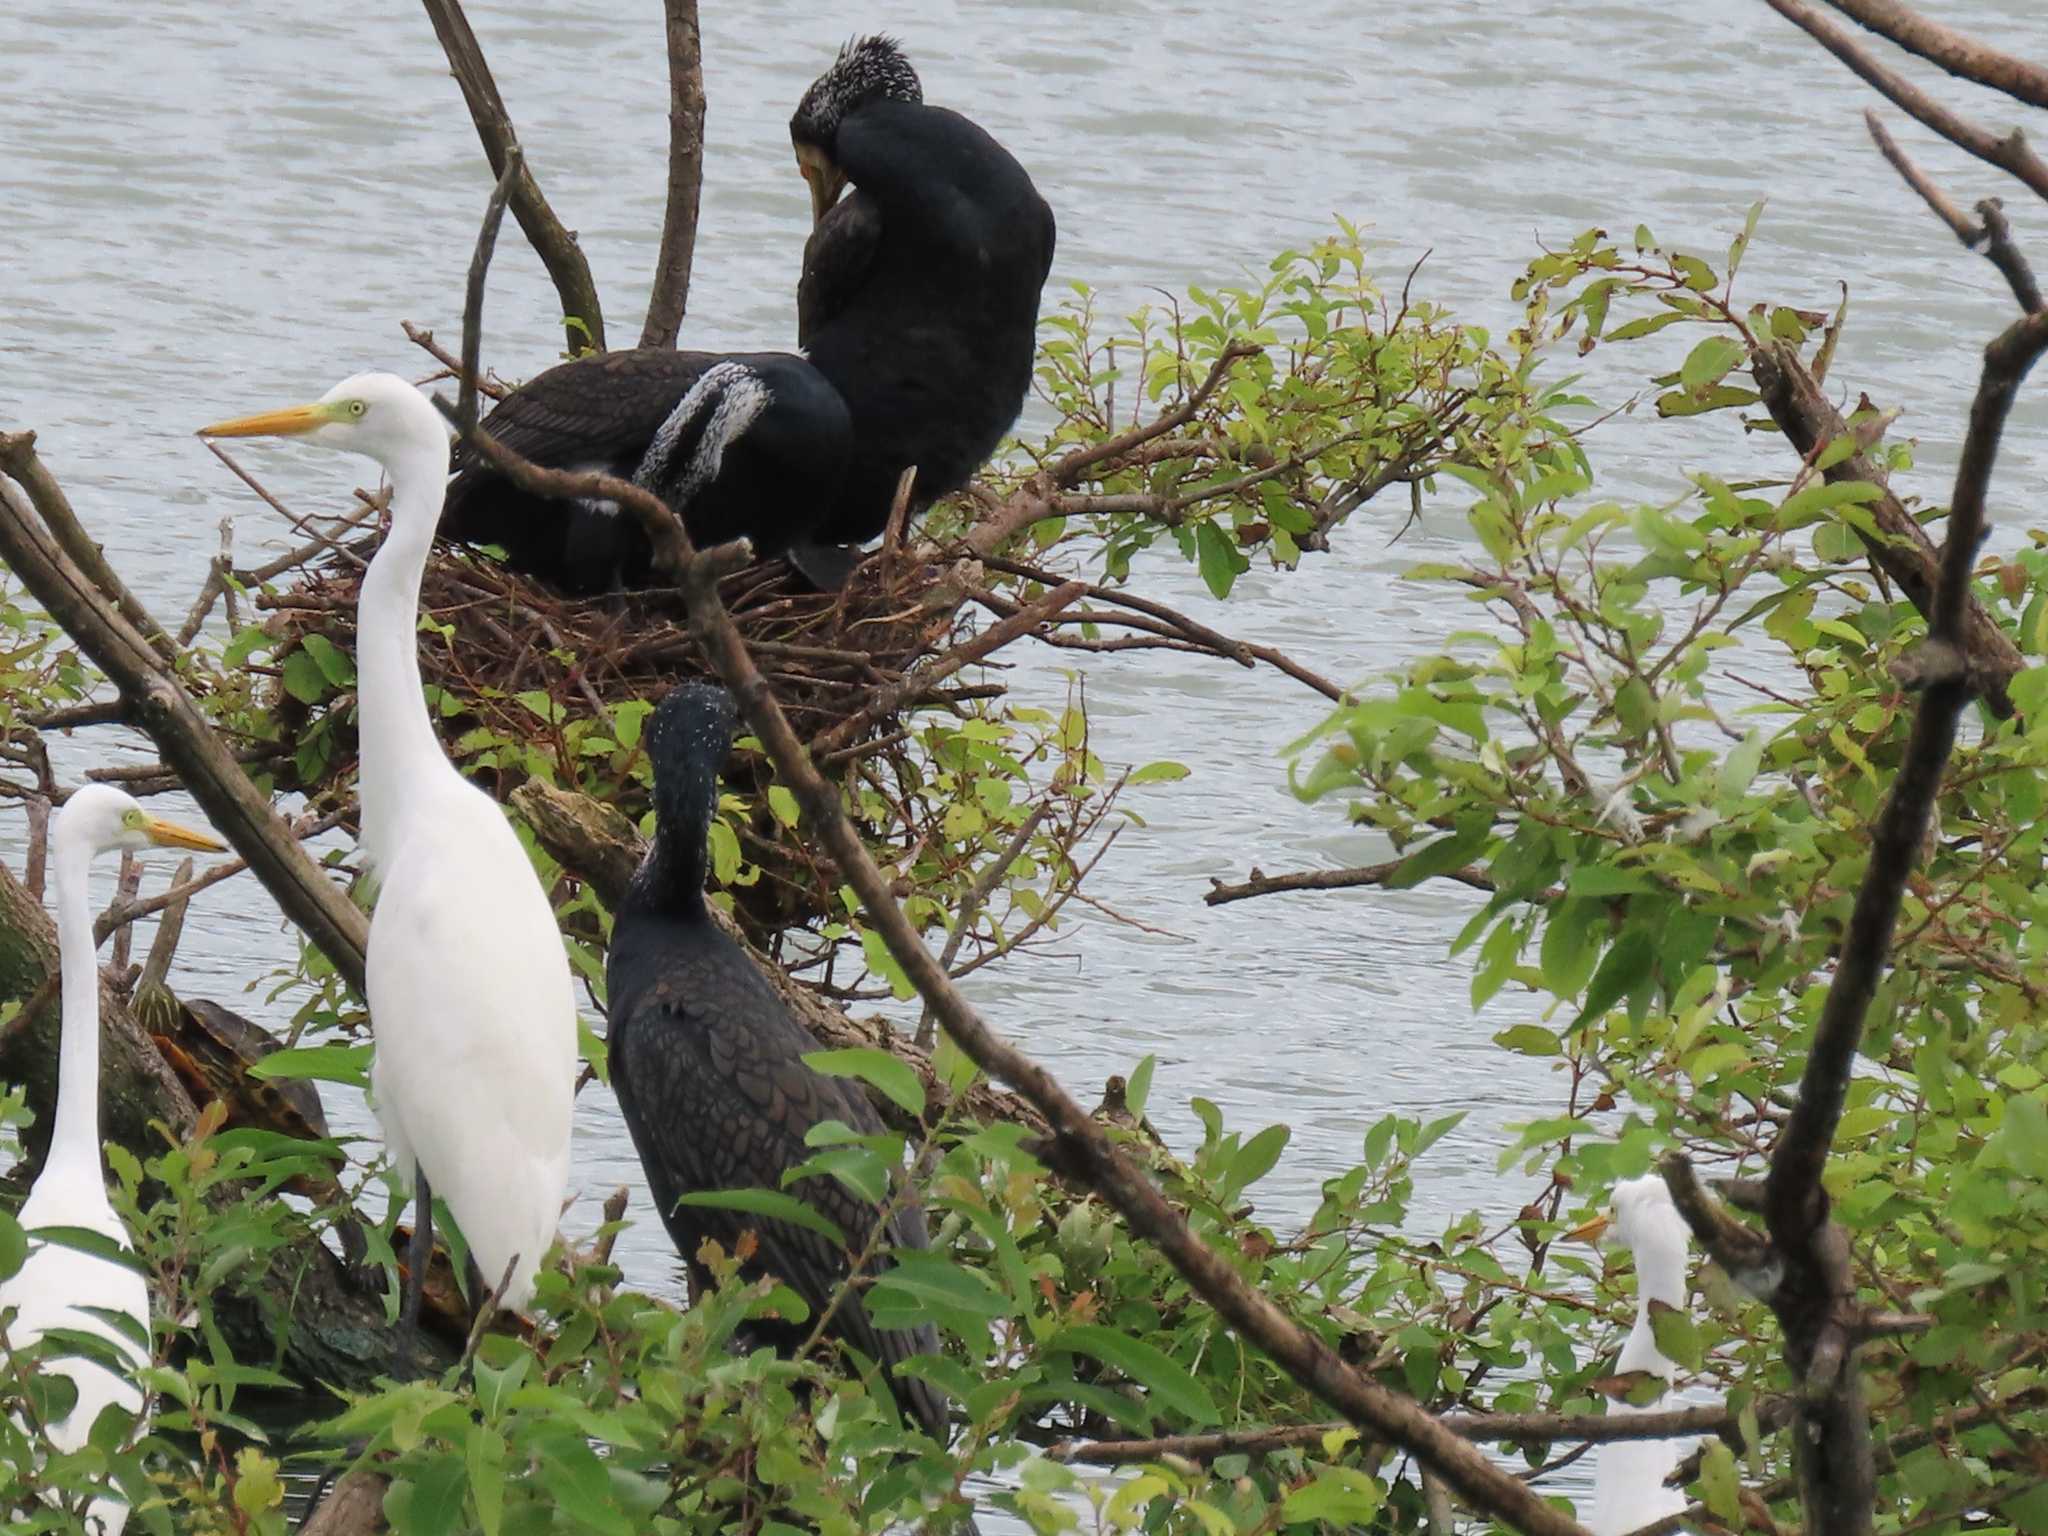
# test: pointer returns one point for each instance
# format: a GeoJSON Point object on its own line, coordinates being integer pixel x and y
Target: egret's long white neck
{"type": "Point", "coordinates": [399, 749]}
{"type": "Point", "coordinates": [75, 1132]}
{"type": "Point", "coordinates": [1660, 1277]}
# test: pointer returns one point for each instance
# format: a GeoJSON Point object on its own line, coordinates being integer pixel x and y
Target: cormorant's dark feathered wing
{"type": "Point", "coordinates": [708, 1066]}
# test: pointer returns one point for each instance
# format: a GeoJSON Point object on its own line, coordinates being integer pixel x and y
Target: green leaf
{"type": "Point", "coordinates": [334, 665]}
{"type": "Point", "coordinates": [1255, 1159]}
{"type": "Point", "coordinates": [1218, 559]}
{"type": "Point", "coordinates": [437, 1497]}
{"type": "Point", "coordinates": [1719, 1489]}
{"type": "Point", "coordinates": [1160, 1375]}
{"type": "Point", "coordinates": [921, 1276]}
{"type": "Point", "coordinates": [1739, 768]}
{"type": "Point", "coordinates": [1677, 1333]}
{"type": "Point", "coordinates": [13, 1246]}
{"type": "Point", "coordinates": [782, 803]}
{"type": "Point", "coordinates": [1626, 964]}
{"type": "Point", "coordinates": [891, 1076]}
{"type": "Point", "coordinates": [1446, 853]}
{"type": "Point", "coordinates": [1158, 773]}
{"type": "Point", "coordinates": [1528, 1040]}
{"type": "Point", "coordinates": [1339, 1495]}
{"type": "Point", "coordinates": [1139, 1088]}
{"type": "Point", "coordinates": [1710, 361]}
{"type": "Point", "coordinates": [486, 1462]}
{"type": "Point", "coordinates": [303, 679]}
{"type": "Point", "coordinates": [770, 1203]}
{"type": "Point", "coordinates": [346, 1064]}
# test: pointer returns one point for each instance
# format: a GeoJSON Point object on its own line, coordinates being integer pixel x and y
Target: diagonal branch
{"type": "Point", "coordinates": [583, 316]}
{"type": "Point", "coordinates": [1957, 52]}
{"type": "Point", "coordinates": [670, 300]}
{"type": "Point", "coordinates": [2009, 153]}
{"type": "Point", "coordinates": [1993, 232]}
{"type": "Point", "coordinates": [154, 700]}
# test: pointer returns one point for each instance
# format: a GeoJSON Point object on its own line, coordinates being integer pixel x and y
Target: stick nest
{"type": "Point", "coordinates": [518, 666]}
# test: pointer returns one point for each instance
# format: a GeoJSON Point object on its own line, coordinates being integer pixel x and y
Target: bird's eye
{"type": "Point", "coordinates": [356, 407]}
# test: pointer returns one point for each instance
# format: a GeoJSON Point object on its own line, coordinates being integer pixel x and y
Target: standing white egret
{"type": "Point", "coordinates": [1628, 1478]}
{"type": "Point", "coordinates": [59, 1287]}
{"type": "Point", "coordinates": [471, 1002]}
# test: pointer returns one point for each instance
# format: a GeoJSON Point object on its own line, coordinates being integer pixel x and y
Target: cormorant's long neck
{"type": "Point", "coordinates": [399, 749]}
{"type": "Point", "coordinates": [75, 1130]}
{"type": "Point", "coordinates": [670, 881]}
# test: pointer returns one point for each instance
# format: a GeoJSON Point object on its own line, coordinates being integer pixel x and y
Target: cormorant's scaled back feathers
{"type": "Point", "coordinates": [867, 69]}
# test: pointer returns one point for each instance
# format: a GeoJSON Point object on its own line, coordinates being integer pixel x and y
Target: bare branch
{"type": "Point", "coordinates": [1993, 232]}
{"type": "Point", "coordinates": [154, 699]}
{"type": "Point", "coordinates": [424, 340]}
{"type": "Point", "coordinates": [1958, 53]}
{"type": "Point", "coordinates": [473, 293]}
{"type": "Point", "coordinates": [2010, 153]}
{"type": "Point", "coordinates": [1259, 883]}
{"type": "Point", "coordinates": [583, 316]}
{"type": "Point", "coordinates": [670, 299]}
{"type": "Point", "coordinates": [970, 906]}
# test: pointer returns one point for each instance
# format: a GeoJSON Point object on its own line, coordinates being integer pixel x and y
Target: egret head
{"type": "Point", "coordinates": [868, 69]}
{"type": "Point", "coordinates": [688, 739]}
{"type": "Point", "coordinates": [1642, 1219]}
{"type": "Point", "coordinates": [100, 819]}
{"type": "Point", "coordinates": [378, 415]}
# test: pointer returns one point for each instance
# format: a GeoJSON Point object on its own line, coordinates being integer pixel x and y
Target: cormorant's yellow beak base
{"type": "Point", "coordinates": [168, 834]}
{"type": "Point", "coordinates": [292, 421]}
{"type": "Point", "coordinates": [826, 181]}
{"type": "Point", "coordinates": [1590, 1231]}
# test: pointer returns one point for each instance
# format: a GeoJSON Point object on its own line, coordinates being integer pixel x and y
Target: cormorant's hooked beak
{"type": "Point", "coordinates": [1590, 1231]}
{"type": "Point", "coordinates": [292, 421]}
{"type": "Point", "coordinates": [826, 180]}
{"type": "Point", "coordinates": [168, 834]}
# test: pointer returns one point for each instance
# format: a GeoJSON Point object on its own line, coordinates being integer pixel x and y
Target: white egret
{"type": "Point", "coordinates": [56, 1286]}
{"type": "Point", "coordinates": [1628, 1479]}
{"type": "Point", "coordinates": [471, 1002]}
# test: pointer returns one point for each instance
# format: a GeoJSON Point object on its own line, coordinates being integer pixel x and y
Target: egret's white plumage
{"type": "Point", "coordinates": [471, 1001]}
{"type": "Point", "coordinates": [60, 1287]}
{"type": "Point", "coordinates": [1628, 1477]}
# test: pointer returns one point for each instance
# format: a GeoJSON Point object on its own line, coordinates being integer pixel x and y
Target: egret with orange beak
{"type": "Point", "coordinates": [471, 1002]}
{"type": "Point", "coordinates": [59, 1287]}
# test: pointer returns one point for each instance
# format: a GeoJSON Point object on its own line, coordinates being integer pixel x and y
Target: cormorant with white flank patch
{"type": "Point", "coordinates": [919, 297]}
{"type": "Point", "coordinates": [751, 443]}
{"type": "Point", "coordinates": [708, 1066]}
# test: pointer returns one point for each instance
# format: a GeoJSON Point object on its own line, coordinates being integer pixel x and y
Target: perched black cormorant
{"type": "Point", "coordinates": [708, 1066]}
{"type": "Point", "coordinates": [919, 296]}
{"type": "Point", "coordinates": [752, 443]}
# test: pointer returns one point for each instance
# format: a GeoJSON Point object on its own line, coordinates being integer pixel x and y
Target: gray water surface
{"type": "Point", "coordinates": [207, 208]}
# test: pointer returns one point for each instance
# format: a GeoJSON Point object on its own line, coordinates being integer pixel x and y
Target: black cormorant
{"type": "Point", "coordinates": [749, 443]}
{"type": "Point", "coordinates": [919, 296]}
{"type": "Point", "coordinates": [708, 1066]}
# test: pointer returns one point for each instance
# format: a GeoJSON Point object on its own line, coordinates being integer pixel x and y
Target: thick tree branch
{"type": "Point", "coordinates": [1957, 52]}
{"type": "Point", "coordinates": [154, 700]}
{"type": "Point", "coordinates": [670, 300]}
{"type": "Point", "coordinates": [2009, 153]}
{"type": "Point", "coordinates": [1905, 553]}
{"type": "Point", "coordinates": [583, 316]}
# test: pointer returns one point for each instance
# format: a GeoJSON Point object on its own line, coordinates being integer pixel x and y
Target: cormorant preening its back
{"type": "Point", "coordinates": [708, 1066]}
{"type": "Point", "coordinates": [919, 296]}
{"type": "Point", "coordinates": [751, 443]}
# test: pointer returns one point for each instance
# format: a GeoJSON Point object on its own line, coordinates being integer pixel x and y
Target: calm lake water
{"type": "Point", "coordinates": [208, 208]}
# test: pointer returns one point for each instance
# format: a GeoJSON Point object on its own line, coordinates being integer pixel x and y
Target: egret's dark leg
{"type": "Point", "coordinates": [421, 1253]}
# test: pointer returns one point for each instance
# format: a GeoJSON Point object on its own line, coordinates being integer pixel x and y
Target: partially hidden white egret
{"type": "Point", "coordinates": [471, 1003]}
{"type": "Point", "coordinates": [57, 1286]}
{"type": "Point", "coordinates": [1628, 1477]}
